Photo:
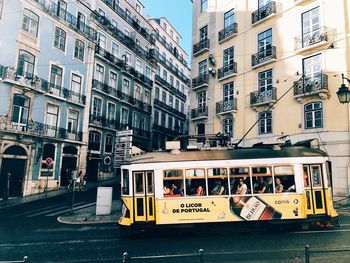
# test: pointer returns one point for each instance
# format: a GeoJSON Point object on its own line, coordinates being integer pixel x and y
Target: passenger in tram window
{"type": "Point", "coordinates": [196, 189]}
{"type": "Point", "coordinates": [166, 190]}
{"type": "Point", "coordinates": [218, 188]}
{"type": "Point", "coordinates": [175, 190]}
{"type": "Point", "coordinates": [261, 186]}
{"type": "Point", "coordinates": [242, 187]}
{"type": "Point", "coordinates": [278, 186]}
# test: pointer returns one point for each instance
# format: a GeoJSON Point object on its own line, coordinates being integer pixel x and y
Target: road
{"type": "Point", "coordinates": [33, 230]}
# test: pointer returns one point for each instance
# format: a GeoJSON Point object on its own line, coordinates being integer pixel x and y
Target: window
{"type": "Point", "coordinates": [204, 5]}
{"type": "Point", "coordinates": [263, 3]}
{"type": "Point", "coordinates": [110, 111]}
{"type": "Point", "coordinates": [126, 86]}
{"type": "Point", "coordinates": [228, 91]}
{"type": "Point", "coordinates": [229, 18]}
{"type": "Point", "coordinates": [99, 73]}
{"type": "Point", "coordinates": [138, 65]}
{"type": "Point", "coordinates": [158, 70]}
{"type": "Point", "coordinates": [81, 20]}
{"type": "Point", "coordinates": [51, 119]}
{"type": "Point", "coordinates": [148, 72]}
{"type": "Point", "coordinates": [25, 65]}
{"type": "Point", "coordinates": [79, 50]}
{"type": "Point", "coordinates": [171, 79]}
{"type": "Point", "coordinates": [76, 87]}
{"type": "Point", "coordinates": [72, 121]}
{"type": "Point", "coordinates": [147, 97]}
{"type": "Point", "coordinates": [202, 67]}
{"type": "Point", "coordinates": [127, 57]}
{"type": "Point", "coordinates": [136, 122]}
{"type": "Point", "coordinates": [30, 21]}
{"type": "Point", "coordinates": [156, 117]}
{"type": "Point", "coordinates": [126, 32]}
{"type": "Point", "coordinates": [157, 93]}
{"type": "Point", "coordinates": [238, 177]}
{"type": "Point", "coordinates": [163, 119]}
{"type": "Point", "coordinates": [265, 43]}
{"type": "Point", "coordinates": [177, 84]}
{"type": "Point", "coordinates": [284, 179]}
{"type": "Point", "coordinates": [164, 96]}
{"type": "Point", "coordinates": [125, 182]}
{"type": "Point", "coordinates": [203, 33]}
{"type": "Point", "coordinates": [195, 182]}
{"type": "Point", "coordinates": [177, 104]}
{"type": "Point", "coordinates": [113, 80]}
{"type": "Point", "coordinates": [171, 100]}
{"type": "Point", "coordinates": [173, 184]}
{"type": "Point", "coordinates": [310, 26]}
{"type": "Point", "coordinates": [265, 80]}
{"type": "Point", "coordinates": [262, 180]}
{"type": "Point", "coordinates": [114, 23]}
{"type": "Point", "coordinates": [108, 143]}
{"type": "Point", "coordinates": [265, 122]}
{"type": "Point", "coordinates": [138, 9]}
{"type": "Point", "coordinates": [60, 39]}
{"type": "Point", "coordinates": [102, 41]}
{"type": "Point", "coordinates": [101, 12]}
{"type": "Point", "coordinates": [97, 107]}
{"type": "Point", "coordinates": [228, 55]}
{"type": "Point", "coordinates": [125, 116]}
{"type": "Point", "coordinates": [170, 123]}
{"type": "Point", "coordinates": [311, 70]}
{"type": "Point", "coordinates": [228, 127]}
{"type": "Point", "coordinates": [94, 141]}
{"type": "Point", "coordinates": [115, 49]}
{"type": "Point", "coordinates": [137, 92]}
{"type": "Point", "coordinates": [201, 99]}
{"type": "Point", "coordinates": [165, 75]}
{"type": "Point", "coordinates": [20, 111]}
{"type": "Point", "coordinates": [56, 79]}
{"type": "Point", "coordinates": [313, 115]}
{"type": "Point", "coordinates": [217, 181]}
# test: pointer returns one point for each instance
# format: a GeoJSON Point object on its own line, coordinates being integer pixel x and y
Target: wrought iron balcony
{"type": "Point", "coordinates": [263, 97]}
{"type": "Point", "coordinates": [201, 81]}
{"type": "Point", "coordinates": [170, 87]}
{"type": "Point", "coordinates": [322, 35]}
{"type": "Point", "coordinates": [306, 86]}
{"type": "Point", "coordinates": [199, 113]}
{"type": "Point", "coordinates": [264, 12]}
{"type": "Point", "coordinates": [123, 14]}
{"type": "Point", "coordinates": [165, 130]}
{"type": "Point", "coordinates": [227, 71]}
{"type": "Point", "coordinates": [228, 32]}
{"type": "Point", "coordinates": [55, 10]}
{"type": "Point", "coordinates": [34, 128]}
{"type": "Point", "coordinates": [226, 106]}
{"type": "Point", "coordinates": [201, 46]}
{"type": "Point", "coordinates": [264, 57]}
{"type": "Point", "coordinates": [141, 132]}
{"type": "Point", "coordinates": [168, 108]}
{"type": "Point", "coordinates": [38, 84]}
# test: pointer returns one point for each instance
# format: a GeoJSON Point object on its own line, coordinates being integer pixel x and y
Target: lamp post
{"type": "Point", "coordinates": [344, 97]}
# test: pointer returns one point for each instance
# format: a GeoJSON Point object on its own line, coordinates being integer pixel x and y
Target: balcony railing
{"type": "Point", "coordinates": [165, 130]}
{"type": "Point", "coordinates": [228, 32]}
{"type": "Point", "coordinates": [141, 132]}
{"type": "Point", "coordinates": [323, 34]}
{"type": "Point", "coordinates": [226, 106]}
{"type": "Point", "coordinates": [123, 14]}
{"type": "Point", "coordinates": [160, 58]}
{"type": "Point", "coordinates": [170, 87]}
{"type": "Point", "coordinates": [263, 97]}
{"type": "Point", "coordinates": [264, 12]}
{"type": "Point", "coordinates": [170, 109]}
{"type": "Point", "coordinates": [201, 81]}
{"type": "Point", "coordinates": [55, 10]}
{"type": "Point", "coordinates": [120, 64]}
{"type": "Point", "coordinates": [201, 46]}
{"type": "Point", "coordinates": [227, 71]}
{"type": "Point", "coordinates": [120, 95]}
{"type": "Point", "coordinates": [201, 112]}
{"type": "Point", "coordinates": [264, 57]}
{"type": "Point", "coordinates": [26, 79]}
{"type": "Point", "coordinates": [311, 85]}
{"type": "Point", "coordinates": [34, 128]}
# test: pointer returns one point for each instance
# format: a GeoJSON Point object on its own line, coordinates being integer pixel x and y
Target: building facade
{"type": "Point", "coordinates": [172, 81]}
{"type": "Point", "coordinates": [265, 69]}
{"type": "Point", "coordinates": [45, 58]}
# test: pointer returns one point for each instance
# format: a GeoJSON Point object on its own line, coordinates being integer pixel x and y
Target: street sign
{"type": "Point", "coordinates": [122, 147]}
{"type": "Point", "coordinates": [49, 161]}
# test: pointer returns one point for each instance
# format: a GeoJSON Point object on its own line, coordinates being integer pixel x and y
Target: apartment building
{"type": "Point", "coordinates": [45, 59]}
{"type": "Point", "coordinates": [265, 69]}
{"type": "Point", "coordinates": [172, 81]}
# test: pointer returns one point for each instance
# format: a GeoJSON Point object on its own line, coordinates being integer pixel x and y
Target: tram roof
{"type": "Point", "coordinates": [226, 154]}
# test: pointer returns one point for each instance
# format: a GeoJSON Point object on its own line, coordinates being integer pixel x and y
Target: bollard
{"type": "Point", "coordinates": [25, 259]}
{"type": "Point", "coordinates": [201, 254]}
{"type": "Point", "coordinates": [125, 257]}
{"type": "Point", "coordinates": [307, 254]}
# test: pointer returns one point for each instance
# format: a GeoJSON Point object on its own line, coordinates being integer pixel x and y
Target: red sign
{"type": "Point", "coordinates": [49, 161]}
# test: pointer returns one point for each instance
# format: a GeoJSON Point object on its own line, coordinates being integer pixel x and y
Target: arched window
{"type": "Point", "coordinates": [94, 141]}
{"type": "Point", "coordinates": [25, 65]}
{"type": "Point", "coordinates": [30, 22]}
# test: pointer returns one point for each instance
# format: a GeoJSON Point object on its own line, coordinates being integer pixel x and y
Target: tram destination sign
{"type": "Point", "coordinates": [122, 146]}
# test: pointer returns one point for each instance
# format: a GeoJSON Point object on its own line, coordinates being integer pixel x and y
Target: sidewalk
{"type": "Point", "coordinates": [88, 215]}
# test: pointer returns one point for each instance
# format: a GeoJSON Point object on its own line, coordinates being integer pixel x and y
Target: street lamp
{"type": "Point", "coordinates": [344, 92]}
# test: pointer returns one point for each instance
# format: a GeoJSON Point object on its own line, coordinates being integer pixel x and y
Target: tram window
{"type": "Point", "coordinates": [150, 183]}
{"type": "Point", "coordinates": [125, 182]}
{"type": "Point", "coordinates": [316, 175]}
{"type": "Point", "coordinates": [306, 176]}
{"type": "Point", "coordinates": [173, 183]}
{"type": "Point", "coordinates": [236, 175]}
{"type": "Point", "coordinates": [217, 181]}
{"type": "Point", "coordinates": [284, 179]}
{"type": "Point", "coordinates": [262, 180]}
{"type": "Point", "coordinates": [195, 182]}
{"type": "Point", "coordinates": [139, 184]}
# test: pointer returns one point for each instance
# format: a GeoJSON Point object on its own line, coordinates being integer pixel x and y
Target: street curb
{"type": "Point", "coordinates": [62, 221]}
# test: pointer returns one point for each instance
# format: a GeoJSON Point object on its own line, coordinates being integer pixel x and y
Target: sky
{"type": "Point", "coordinates": [179, 14]}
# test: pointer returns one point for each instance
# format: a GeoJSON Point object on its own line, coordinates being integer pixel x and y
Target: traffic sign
{"type": "Point", "coordinates": [49, 161]}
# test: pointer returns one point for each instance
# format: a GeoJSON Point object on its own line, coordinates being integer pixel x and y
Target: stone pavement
{"type": "Point", "coordinates": [88, 215]}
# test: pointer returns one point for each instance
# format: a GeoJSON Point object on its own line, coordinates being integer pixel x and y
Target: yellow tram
{"type": "Point", "coordinates": [272, 184]}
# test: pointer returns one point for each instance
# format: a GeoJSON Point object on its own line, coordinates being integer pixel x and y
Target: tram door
{"type": "Point", "coordinates": [143, 196]}
{"type": "Point", "coordinates": [314, 189]}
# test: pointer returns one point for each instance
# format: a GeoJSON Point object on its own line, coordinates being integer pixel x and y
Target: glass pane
{"type": "Point", "coordinates": [125, 182]}
{"type": "Point", "coordinates": [316, 176]}
{"type": "Point", "coordinates": [306, 176]}
{"type": "Point", "coordinates": [139, 185]}
{"type": "Point", "coordinates": [150, 183]}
